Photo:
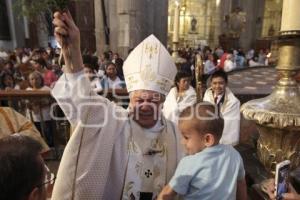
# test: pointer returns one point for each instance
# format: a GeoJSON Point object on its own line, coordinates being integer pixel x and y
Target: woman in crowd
{"type": "Point", "coordinates": [209, 65]}
{"type": "Point", "coordinates": [113, 82]}
{"type": "Point", "coordinates": [8, 82]}
{"type": "Point", "coordinates": [111, 79]}
{"type": "Point", "coordinates": [40, 110]}
{"type": "Point", "coordinates": [179, 97]}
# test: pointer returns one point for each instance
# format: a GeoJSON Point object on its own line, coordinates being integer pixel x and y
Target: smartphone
{"type": "Point", "coordinates": [281, 178]}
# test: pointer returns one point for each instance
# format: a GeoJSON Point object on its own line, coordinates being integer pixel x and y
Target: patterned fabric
{"type": "Point", "coordinates": [148, 156]}
{"type": "Point", "coordinates": [13, 122]}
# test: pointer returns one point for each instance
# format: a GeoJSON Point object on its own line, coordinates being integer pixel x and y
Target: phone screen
{"type": "Point", "coordinates": [282, 184]}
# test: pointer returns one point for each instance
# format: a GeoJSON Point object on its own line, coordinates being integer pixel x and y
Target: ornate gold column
{"type": "Point", "coordinates": [278, 115]}
{"type": "Point", "coordinates": [200, 86]}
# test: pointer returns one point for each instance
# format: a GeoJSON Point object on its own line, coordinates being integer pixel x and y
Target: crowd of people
{"type": "Point", "coordinates": [16, 66]}
{"type": "Point", "coordinates": [227, 60]}
{"type": "Point", "coordinates": [164, 144]}
{"type": "Point", "coordinates": [39, 69]}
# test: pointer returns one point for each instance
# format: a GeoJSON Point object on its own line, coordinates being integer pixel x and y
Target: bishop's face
{"type": "Point", "coordinates": [145, 106]}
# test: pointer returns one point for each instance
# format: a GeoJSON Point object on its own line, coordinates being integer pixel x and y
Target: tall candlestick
{"type": "Point", "coordinates": [290, 15]}
{"type": "Point", "coordinates": [176, 23]}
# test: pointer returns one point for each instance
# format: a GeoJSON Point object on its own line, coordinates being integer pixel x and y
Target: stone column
{"type": "Point", "coordinates": [217, 22]}
{"type": "Point", "coordinates": [160, 25]}
{"type": "Point", "coordinates": [113, 24]}
{"type": "Point", "coordinates": [85, 20]}
{"type": "Point", "coordinates": [42, 31]}
{"type": "Point", "coordinates": [99, 28]}
{"type": "Point", "coordinates": [13, 40]}
{"type": "Point", "coordinates": [210, 23]}
{"type": "Point", "coordinates": [138, 19]}
{"type": "Point", "coordinates": [253, 9]}
{"type": "Point", "coordinates": [124, 11]}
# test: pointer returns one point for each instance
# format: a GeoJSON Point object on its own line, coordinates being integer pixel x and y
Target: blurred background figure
{"type": "Point", "coordinates": [24, 174]}
{"type": "Point", "coordinates": [94, 79]}
{"type": "Point", "coordinates": [39, 110]}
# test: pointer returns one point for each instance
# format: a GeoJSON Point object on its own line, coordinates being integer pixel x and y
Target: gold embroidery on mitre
{"type": "Point", "coordinates": [131, 81]}
{"type": "Point", "coordinates": [151, 49]}
{"type": "Point", "coordinates": [164, 84]}
{"type": "Point", "coordinates": [147, 74]}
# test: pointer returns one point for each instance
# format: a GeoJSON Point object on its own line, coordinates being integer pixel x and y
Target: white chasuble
{"type": "Point", "coordinates": [95, 161]}
{"type": "Point", "coordinates": [152, 159]}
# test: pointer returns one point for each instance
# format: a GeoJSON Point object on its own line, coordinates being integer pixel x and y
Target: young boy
{"type": "Point", "coordinates": [211, 170]}
{"type": "Point", "coordinates": [220, 95]}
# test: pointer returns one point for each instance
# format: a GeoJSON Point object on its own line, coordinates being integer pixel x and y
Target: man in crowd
{"type": "Point", "coordinates": [113, 153]}
{"type": "Point", "coordinates": [23, 175]}
{"type": "Point", "coordinates": [228, 105]}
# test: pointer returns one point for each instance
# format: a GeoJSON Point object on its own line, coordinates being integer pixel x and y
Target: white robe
{"type": "Point", "coordinates": [93, 166]}
{"type": "Point", "coordinates": [230, 110]}
{"type": "Point", "coordinates": [173, 104]}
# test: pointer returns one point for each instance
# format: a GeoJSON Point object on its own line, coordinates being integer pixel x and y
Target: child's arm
{"type": "Point", "coordinates": [167, 193]}
{"type": "Point", "coordinates": [241, 192]}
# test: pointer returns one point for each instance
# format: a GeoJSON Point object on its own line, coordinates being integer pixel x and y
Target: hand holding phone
{"type": "Point", "coordinates": [281, 178]}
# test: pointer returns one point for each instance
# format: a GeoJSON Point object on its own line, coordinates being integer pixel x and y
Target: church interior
{"type": "Point", "coordinates": [261, 38]}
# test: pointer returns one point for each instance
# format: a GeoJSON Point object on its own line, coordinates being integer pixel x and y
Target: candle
{"type": "Point", "coordinates": [176, 23]}
{"type": "Point", "coordinates": [290, 15]}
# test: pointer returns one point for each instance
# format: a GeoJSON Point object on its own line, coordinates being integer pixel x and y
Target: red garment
{"type": "Point", "coordinates": [222, 60]}
{"type": "Point", "coordinates": [49, 78]}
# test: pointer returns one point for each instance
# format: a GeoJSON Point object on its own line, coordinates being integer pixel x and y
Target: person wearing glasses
{"type": "Point", "coordinates": [23, 173]}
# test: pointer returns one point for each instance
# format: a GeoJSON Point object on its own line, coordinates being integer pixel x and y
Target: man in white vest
{"type": "Point", "coordinates": [115, 153]}
{"type": "Point", "coordinates": [228, 105]}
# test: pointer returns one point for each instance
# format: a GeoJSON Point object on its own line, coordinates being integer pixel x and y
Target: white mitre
{"type": "Point", "coordinates": [149, 67]}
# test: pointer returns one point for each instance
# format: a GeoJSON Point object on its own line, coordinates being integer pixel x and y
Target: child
{"type": "Point", "coordinates": [219, 94]}
{"type": "Point", "coordinates": [211, 170]}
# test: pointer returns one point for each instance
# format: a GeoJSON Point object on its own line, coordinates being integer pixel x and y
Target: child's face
{"type": "Point", "coordinates": [192, 140]}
